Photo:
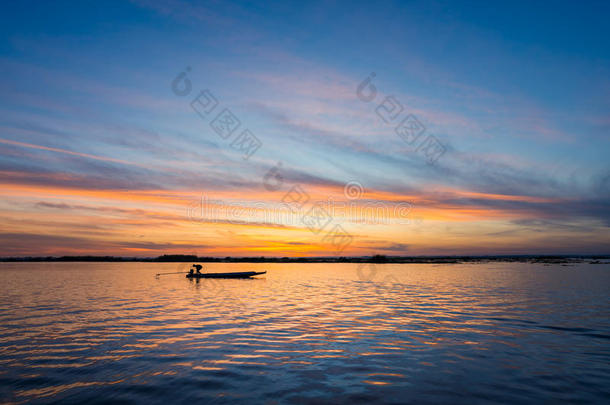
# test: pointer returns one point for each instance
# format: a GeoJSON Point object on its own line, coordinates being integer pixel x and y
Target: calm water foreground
{"type": "Point", "coordinates": [305, 333]}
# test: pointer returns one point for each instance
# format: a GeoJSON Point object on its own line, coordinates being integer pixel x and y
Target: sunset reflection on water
{"type": "Point", "coordinates": [498, 332]}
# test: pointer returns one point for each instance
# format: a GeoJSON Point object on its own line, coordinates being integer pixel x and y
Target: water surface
{"type": "Point", "coordinates": [305, 333]}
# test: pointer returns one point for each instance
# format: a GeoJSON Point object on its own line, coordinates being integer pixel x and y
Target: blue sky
{"type": "Point", "coordinates": [517, 93]}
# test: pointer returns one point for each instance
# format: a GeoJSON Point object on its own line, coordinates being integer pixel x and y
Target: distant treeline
{"type": "Point", "coordinates": [361, 259]}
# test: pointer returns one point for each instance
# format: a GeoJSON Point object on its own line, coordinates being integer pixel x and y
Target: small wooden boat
{"type": "Point", "coordinates": [243, 274]}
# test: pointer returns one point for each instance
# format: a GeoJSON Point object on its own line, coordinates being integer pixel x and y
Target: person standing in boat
{"type": "Point", "coordinates": [198, 267]}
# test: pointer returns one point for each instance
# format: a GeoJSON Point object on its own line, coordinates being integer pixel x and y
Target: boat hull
{"type": "Point", "coordinates": [244, 274]}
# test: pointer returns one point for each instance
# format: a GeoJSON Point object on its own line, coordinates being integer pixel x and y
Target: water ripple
{"type": "Point", "coordinates": [305, 333]}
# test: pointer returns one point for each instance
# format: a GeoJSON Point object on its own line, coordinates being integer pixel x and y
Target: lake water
{"type": "Point", "coordinates": [305, 333]}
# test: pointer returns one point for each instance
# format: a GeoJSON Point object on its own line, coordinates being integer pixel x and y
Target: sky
{"type": "Point", "coordinates": [141, 128]}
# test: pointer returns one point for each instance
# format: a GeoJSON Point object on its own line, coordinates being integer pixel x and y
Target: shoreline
{"type": "Point", "coordinates": [553, 259]}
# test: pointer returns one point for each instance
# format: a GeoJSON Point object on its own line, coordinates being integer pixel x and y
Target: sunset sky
{"type": "Point", "coordinates": [105, 150]}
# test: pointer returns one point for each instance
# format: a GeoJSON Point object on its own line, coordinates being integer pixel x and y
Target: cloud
{"type": "Point", "coordinates": [67, 152]}
{"type": "Point", "coordinates": [28, 244]}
